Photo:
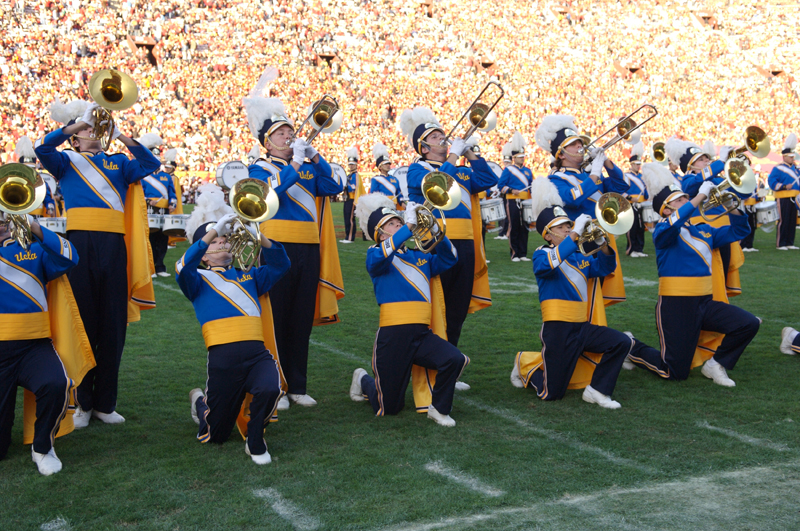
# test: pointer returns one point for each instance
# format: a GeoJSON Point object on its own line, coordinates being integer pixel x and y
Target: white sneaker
{"type": "Point", "coordinates": [500, 238]}
{"type": "Point", "coordinates": [593, 396]}
{"type": "Point", "coordinates": [628, 365]}
{"type": "Point", "coordinates": [162, 274]}
{"type": "Point", "coordinates": [194, 394]}
{"type": "Point", "coordinates": [462, 386]}
{"type": "Point", "coordinates": [713, 370]}
{"type": "Point", "coordinates": [109, 418]}
{"type": "Point", "coordinates": [515, 259]}
{"type": "Point", "coordinates": [356, 393]}
{"type": "Point", "coordinates": [345, 241]}
{"type": "Point", "coordinates": [787, 338]}
{"type": "Point", "coordinates": [783, 248]}
{"type": "Point", "coordinates": [171, 246]}
{"type": "Point", "coordinates": [525, 259]}
{"type": "Point", "coordinates": [283, 403]}
{"type": "Point", "coordinates": [303, 400]}
{"type": "Point", "coordinates": [442, 420]}
{"type": "Point", "coordinates": [516, 377]}
{"type": "Point", "coordinates": [263, 459]}
{"type": "Point", "coordinates": [488, 262]}
{"type": "Point", "coordinates": [153, 275]}
{"type": "Point", "coordinates": [81, 418]}
{"type": "Point", "coordinates": [792, 247]}
{"type": "Point", "coordinates": [643, 255]}
{"type": "Point", "coordinates": [48, 464]}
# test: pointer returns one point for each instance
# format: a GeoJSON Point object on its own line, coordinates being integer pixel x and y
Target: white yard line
{"type": "Point", "coordinates": [287, 510]}
{"type": "Point", "coordinates": [348, 355]}
{"type": "Point", "coordinates": [167, 287]}
{"type": "Point", "coordinates": [463, 479]}
{"type": "Point", "coordinates": [631, 282]}
{"type": "Point", "coordinates": [555, 436]}
{"type": "Point", "coordinates": [745, 438]}
{"type": "Point", "coordinates": [59, 524]}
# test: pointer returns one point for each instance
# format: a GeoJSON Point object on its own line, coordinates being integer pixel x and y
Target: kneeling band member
{"type": "Point", "coordinates": [685, 305]}
{"type": "Point", "coordinates": [226, 302]}
{"type": "Point", "coordinates": [401, 279]}
{"type": "Point", "coordinates": [790, 341]}
{"type": "Point", "coordinates": [561, 274]}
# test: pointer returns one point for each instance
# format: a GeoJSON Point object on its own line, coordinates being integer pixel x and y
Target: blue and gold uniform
{"type": "Point", "coordinates": [27, 355]}
{"type": "Point", "coordinates": [580, 192]}
{"type": "Point", "coordinates": [159, 187]}
{"type": "Point", "coordinates": [94, 188]}
{"type": "Point", "coordinates": [516, 178]}
{"type": "Point", "coordinates": [401, 281]}
{"type": "Point", "coordinates": [784, 180]}
{"type": "Point", "coordinates": [387, 185]}
{"type": "Point", "coordinates": [349, 202]}
{"type": "Point", "coordinates": [226, 303]}
{"type": "Point", "coordinates": [636, 193]}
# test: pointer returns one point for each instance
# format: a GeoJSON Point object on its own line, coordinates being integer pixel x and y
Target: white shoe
{"type": "Point", "coordinates": [643, 255]}
{"type": "Point", "coordinates": [283, 403]}
{"type": "Point", "coordinates": [783, 248]}
{"type": "Point", "coordinates": [462, 386]}
{"type": "Point", "coordinates": [109, 418]}
{"type": "Point", "coordinates": [787, 338]}
{"type": "Point", "coordinates": [515, 259]}
{"type": "Point", "coordinates": [263, 459]}
{"type": "Point", "coordinates": [153, 275]}
{"type": "Point", "coordinates": [194, 394]}
{"type": "Point", "coordinates": [500, 238]}
{"type": "Point", "coordinates": [488, 262]}
{"type": "Point", "coordinates": [712, 369]}
{"type": "Point", "coordinates": [81, 418]}
{"type": "Point", "coordinates": [48, 464]}
{"type": "Point", "coordinates": [516, 377]}
{"type": "Point", "coordinates": [525, 259]}
{"type": "Point", "coordinates": [594, 396]}
{"type": "Point", "coordinates": [303, 400]}
{"type": "Point", "coordinates": [792, 247]}
{"type": "Point", "coordinates": [442, 420]}
{"type": "Point", "coordinates": [356, 393]}
{"type": "Point", "coordinates": [171, 246]}
{"type": "Point", "coordinates": [345, 241]}
{"type": "Point", "coordinates": [162, 274]}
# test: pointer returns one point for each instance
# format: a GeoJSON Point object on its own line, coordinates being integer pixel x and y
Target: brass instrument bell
{"type": "Point", "coordinates": [22, 190]}
{"type": "Point", "coordinates": [481, 116]}
{"type": "Point", "coordinates": [325, 117]}
{"type": "Point", "coordinates": [614, 216]}
{"type": "Point", "coordinates": [658, 153]}
{"type": "Point", "coordinates": [113, 91]}
{"type": "Point", "coordinates": [254, 201]}
{"type": "Point", "coordinates": [740, 177]}
{"type": "Point", "coordinates": [440, 191]}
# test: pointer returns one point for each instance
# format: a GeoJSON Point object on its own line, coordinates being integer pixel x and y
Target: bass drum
{"type": "Point", "coordinates": [401, 173]}
{"type": "Point", "coordinates": [492, 210]}
{"type": "Point", "coordinates": [340, 173]}
{"type": "Point", "coordinates": [229, 173]}
{"type": "Point", "coordinates": [495, 168]}
{"type": "Point", "coordinates": [767, 215]}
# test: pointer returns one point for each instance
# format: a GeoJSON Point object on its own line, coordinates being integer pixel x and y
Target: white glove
{"type": "Point", "coordinates": [471, 142]}
{"type": "Point", "coordinates": [253, 229]}
{"type": "Point", "coordinates": [597, 164]}
{"type": "Point", "coordinates": [435, 229]}
{"type": "Point", "coordinates": [706, 188]}
{"type": "Point", "coordinates": [600, 241]}
{"type": "Point", "coordinates": [725, 152]}
{"type": "Point", "coordinates": [411, 213]}
{"type": "Point", "coordinates": [458, 147]}
{"type": "Point", "coordinates": [595, 151]}
{"type": "Point", "coordinates": [581, 222]}
{"type": "Point", "coordinates": [223, 226]}
{"type": "Point", "coordinates": [115, 133]}
{"type": "Point", "coordinates": [299, 148]}
{"type": "Point", "coordinates": [311, 152]}
{"type": "Point", "coordinates": [88, 114]}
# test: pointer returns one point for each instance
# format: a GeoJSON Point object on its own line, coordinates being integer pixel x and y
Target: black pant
{"type": "Point", "coordinates": [350, 223]}
{"type": "Point", "coordinates": [563, 343]}
{"type": "Point", "coordinates": [399, 347]}
{"type": "Point", "coordinates": [680, 320]}
{"type": "Point", "coordinates": [504, 225]}
{"type": "Point", "coordinates": [636, 234]}
{"type": "Point", "coordinates": [100, 285]}
{"type": "Point", "coordinates": [159, 243]}
{"type": "Point", "coordinates": [294, 300]}
{"type": "Point", "coordinates": [34, 365]}
{"type": "Point", "coordinates": [517, 230]}
{"type": "Point", "coordinates": [747, 242]}
{"type": "Point", "coordinates": [457, 288]}
{"type": "Point", "coordinates": [787, 221]}
{"type": "Point", "coordinates": [233, 370]}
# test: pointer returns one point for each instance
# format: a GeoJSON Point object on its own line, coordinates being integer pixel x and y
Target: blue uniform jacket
{"type": "Point", "coordinates": [352, 183]}
{"type": "Point", "coordinates": [509, 179]}
{"type": "Point", "coordinates": [580, 193]}
{"type": "Point", "coordinates": [637, 190]}
{"type": "Point", "coordinates": [376, 186]}
{"type": "Point", "coordinates": [151, 192]}
{"type": "Point", "coordinates": [784, 178]}
{"type": "Point", "coordinates": [714, 173]}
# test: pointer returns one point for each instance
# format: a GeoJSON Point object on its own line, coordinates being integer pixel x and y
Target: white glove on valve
{"type": "Point", "coordinates": [597, 164]}
{"type": "Point", "coordinates": [88, 114]}
{"type": "Point", "coordinates": [706, 188]}
{"type": "Point", "coordinates": [580, 223]}
{"type": "Point", "coordinates": [411, 213]}
{"type": "Point", "coordinates": [223, 226]}
{"type": "Point", "coordinates": [458, 147]}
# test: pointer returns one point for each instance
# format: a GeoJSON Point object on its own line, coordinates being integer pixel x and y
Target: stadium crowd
{"type": "Point", "coordinates": [380, 57]}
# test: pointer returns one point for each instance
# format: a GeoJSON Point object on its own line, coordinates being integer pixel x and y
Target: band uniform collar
{"type": "Point", "coordinates": [435, 163]}
{"type": "Point", "coordinates": [219, 269]}
{"type": "Point", "coordinates": [278, 160]}
{"type": "Point", "coordinates": [8, 241]}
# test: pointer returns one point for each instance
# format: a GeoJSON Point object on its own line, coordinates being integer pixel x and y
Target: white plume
{"type": "Point", "coordinates": [255, 152]}
{"type": "Point", "coordinates": [64, 113]}
{"type": "Point", "coordinates": [656, 177]}
{"type": "Point", "coordinates": [638, 149]}
{"type": "Point", "coordinates": [710, 149]}
{"type": "Point", "coordinates": [518, 142]}
{"type": "Point", "coordinates": [544, 194]}
{"type": "Point", "coordinates": [676, 148]}
{"type": "Point", "coordinates": [367, 204]}
{"type": "Point", "coordinates": [171, 156]}
{"type": "Point", "coordinates": [352, 153]}
{"type": "Point", "coordinates": [411, 119]}
{"type": "Point", "coordinates": [24, 148]}
{"type": "Point", "coordinates": [379, 150]}
{"type": "Point", "coordinates": [791, 142]}
{"type": "Point", "coordinates": [210, 206]}
{"type": "Point", "coordinates": [551, 125]}
{"type": "Point", "coordinates": [259, 110]}
{"type": "Point", "coordinates": [150, 140]}
{"type": "Point", "coordinates": [635, 138]}
{"type": "Point", "coordinates": [507, 150]}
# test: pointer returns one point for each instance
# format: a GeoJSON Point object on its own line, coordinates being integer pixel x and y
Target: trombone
{"type": "Point", "coordinates": [22, 190]}
{"type": "Point", "coordinates": [254, 201]}
{"type": "Point", "coordinates": [440, 191]}
{"type": "Point", "coordinates": [622, 131]}
{"type": "Point", "coordinates": [481, 115]}
{"type": "Point", "coordinates": [614, 215]}
{"type": "Point", "coordinates": [112, 90]}
{"type": "Point", "coordinates": [325, 117]}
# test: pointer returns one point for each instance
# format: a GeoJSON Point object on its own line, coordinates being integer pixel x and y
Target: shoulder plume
{"type": "Point", "coordinates": [551, 125]}
{"type": "Point", "coordinates": [544, 194]}
{"type": "Point", "coordinates": [367, 204]}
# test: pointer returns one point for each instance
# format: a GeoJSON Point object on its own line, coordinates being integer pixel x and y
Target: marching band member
{"type": "Point", "coordinates": [749, 205]}
{"type": "Point", "coordinates": [790, 341]}
{"type": "Point", "coordinates": [296, 226]}
{"type": "Point", "coordinates": [401, 279]}
{"type": "Point", "coordinates": [424, 133]}
{"type": "Point", "coordinates": [637, 193]}
{"type": "Point", "coordinates": [784, 180]}
{"type": "Point", "coordinates": [514, 184]}
{"type": "Point", "coordinates": [27, 156]}
{"type": "Point", "coordinates": [350, 192]}
{"type": "Point", "coordinates": [383, 183]}
{"type": "Point", "coordinates": [226, 302]}
{"type": "Point", "coordinates": [685, 304]}
{"type": "Point", "coordinates": [507, 161]}
{"type": "Point", "coordinates": [27, 355]}
{"type": "Point", "coordinates": [100, 211]}
{"type": "Point", "coordinates": [159, 192]}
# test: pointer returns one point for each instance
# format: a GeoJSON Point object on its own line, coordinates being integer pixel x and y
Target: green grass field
{"type": "Point", "coordinates": [688, 455]}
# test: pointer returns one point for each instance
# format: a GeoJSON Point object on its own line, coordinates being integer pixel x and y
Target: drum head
{"type": "Point", "coordinates": [495, 168]}
{"type": "Point", "coordinates": [339, 172]}
{"type": "Point", "coordinates": [229, 173]}
{"type": "Point", "coordinates": [400, 174]}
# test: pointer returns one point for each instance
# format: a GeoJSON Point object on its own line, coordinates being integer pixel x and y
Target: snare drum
{"type": "Point", "coordinates": [492, 210]}
{"type": "Point", "coordinates": [175, 225]}
{"type": "Point", "coordinates": [767, 215]}
{"type": "Point", "coordinates": [649, 216]}
{"type": "Point", "coordinates": [155, 221]}
{"type": "Point", "coordinates": [527, 211]}
{"type": "Point", "coordinates": [57, 225]}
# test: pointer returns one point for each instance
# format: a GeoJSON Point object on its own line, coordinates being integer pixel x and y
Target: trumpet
{"type": "Point", "coordinates": [614, 215]}
{"type": "Point", "coordinates": [22, 190]}
{"type": "Point", "coordinates": [254, 201]}
{"type": "Point", "coordinates": [112, 90]}
{"type": "Point", "coordinates": [622, 131]}
{"type": "Point", "coordinates": [440, 191]}
{"type": "Point", "coordinates": [659, 153]}
{"type": "Point", "coordinates": [739, 176]}
{"type": "Point", "coordinates": [325, 117]}
{"type": "Point", "coordinates": [481, 116]}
